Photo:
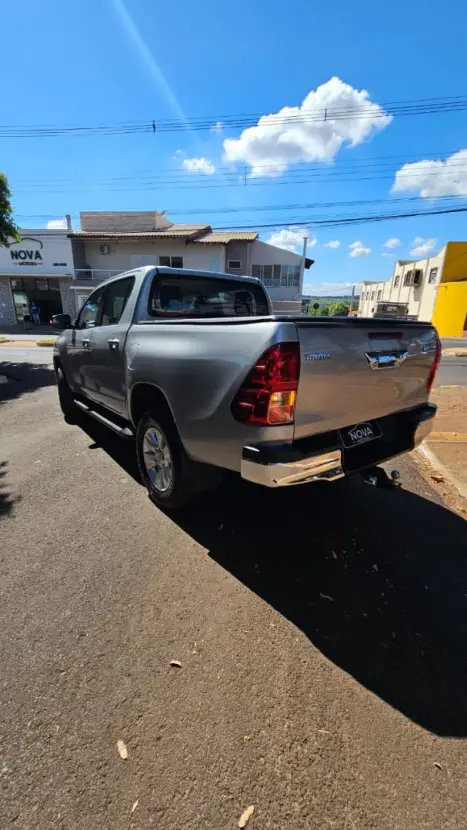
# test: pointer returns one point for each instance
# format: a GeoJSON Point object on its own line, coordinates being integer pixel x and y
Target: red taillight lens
{"type": "Point", "coordinates": [268, 394]}
{"type": "Point", "coordinates": [434, 368]}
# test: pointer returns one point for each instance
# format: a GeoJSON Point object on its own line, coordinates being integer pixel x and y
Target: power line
{"type": "Point", "coordinates": [427, 106]}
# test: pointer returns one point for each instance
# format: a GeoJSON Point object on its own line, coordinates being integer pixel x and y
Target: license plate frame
{"type": "Point", "coordinates": [359, 434]}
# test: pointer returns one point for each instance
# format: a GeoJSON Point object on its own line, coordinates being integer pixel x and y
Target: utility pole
{"type": "Point", "coordinates": [302, 265]}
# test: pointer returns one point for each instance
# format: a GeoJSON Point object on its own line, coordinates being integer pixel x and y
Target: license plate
{"type": "Point", "coordinates": [360, 434]}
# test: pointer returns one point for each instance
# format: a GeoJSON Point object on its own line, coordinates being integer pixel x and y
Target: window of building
{"type": "Point", "coordinates": [256, 271]}
{"type": "Point", "coordinates": [234, 264]}
{"type": "Point", "coordinates": [373, 293]}
{"type": "Point", "coordinates": [171, 261]}
{"type": "Point", "coordinates": [267, 274]}
{"type": "Point", "coordinates": [276, 274]}
{"type": "Point", "coordinates": [433, 275]}
{"type": "Point", "coordinates": [397, 280]}
{"type": "Point", "coordinates": [90, 313]}
{"type": "Point", "coordinates": [115, 301]}
{"type": "Point", "coordinates": [193, 296]}
{"type": "Point", "coordinates": [380, 294]}
{"type": "Point", "coordinates": [408, 278]}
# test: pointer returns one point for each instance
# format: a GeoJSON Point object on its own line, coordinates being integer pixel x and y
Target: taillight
{"type": "Point", "coordinates": [435, 364]}
{"type": "Point", "coordinates": [268, 394]}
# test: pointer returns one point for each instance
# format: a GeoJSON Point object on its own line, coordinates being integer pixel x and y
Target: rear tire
{"type": "Point", "coordinates": [168, 474]}
{"type": "Point", "coordinates": [65, 395]}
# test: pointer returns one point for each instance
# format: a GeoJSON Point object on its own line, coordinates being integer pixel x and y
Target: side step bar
{"type": "Point", "coordinates": [124, 432]}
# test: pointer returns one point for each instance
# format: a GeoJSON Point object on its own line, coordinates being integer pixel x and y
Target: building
{"type": "Point", "coordinates": [39, 268]}
{"type": "Point", "coordinates": [431, 289]}
{"type": "Point", "coordinates": [111, 242]}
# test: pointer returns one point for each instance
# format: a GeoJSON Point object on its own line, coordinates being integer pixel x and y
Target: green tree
{"type": "Point", "coordinates": [8, 227]}
{"type": "Point", "coordinates": [339, 309]}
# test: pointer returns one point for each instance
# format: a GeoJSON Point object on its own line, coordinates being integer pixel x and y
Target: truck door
{"type": "Point", "coordinates": [108, 341]}
{"type": "Point", "coordinates": [78, 362]}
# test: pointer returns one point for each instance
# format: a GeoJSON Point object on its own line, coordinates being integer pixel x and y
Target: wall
{"type": "Point", "coordinates": [68, 297]}
{"type": "Point", "coordinates": [239, 249]}
{"type": "Point", "coordinates": [133, 220]}
{"type": "Point", "coordinates": [455, 263]}
{"type": "Point", "coordinates": [367, 304]}
{"type": "Point", "coordinates": [450, 317]}
{"type": "Point", "coordinates": [125, 254]}
{"type": "Point", "coordinates": [7, 306]}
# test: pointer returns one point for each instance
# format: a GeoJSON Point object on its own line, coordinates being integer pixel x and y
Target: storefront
{"type": "Point", "coordinates": [36, 273]}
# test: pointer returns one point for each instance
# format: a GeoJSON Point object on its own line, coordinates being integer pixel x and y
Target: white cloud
{"type": "Point", "coordinates": [358, 249]}
{"type": "Point", "coordinates": [434, 178]}
{"type": "Point", "coordinates": [390, 256]}
{"type": "Point", "coordinates": [179, 154]}
{"type": "Point", "coordinates": [296, 134]}
{"type": "Point", "coordinates": [422, 247]}
{"type": "Point", "coordinates": [199, 165]}
{"type": "Point", "coordinates": [392, 242]}
{"type": "Point", "coordinates": [57, 224]}
{"type": "Point", "coordinates": [333, 243]}
{"type": "Point", "coordinates": [330, 289]}
{"type": "Point", "coordinates": [217, 127]}
{"type": "Point", "coordinates": [290, 239]}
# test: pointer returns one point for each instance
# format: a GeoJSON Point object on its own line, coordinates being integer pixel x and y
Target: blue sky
{"type": "Point", "coordinates": [115, 61]}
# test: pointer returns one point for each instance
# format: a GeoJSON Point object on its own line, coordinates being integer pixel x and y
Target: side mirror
{"type": "Point", "coordinates": [61, 321]}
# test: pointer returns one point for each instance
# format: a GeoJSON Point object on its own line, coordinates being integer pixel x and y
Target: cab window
{"type": "Point", "coordinates": [90, 312]}
{"type": "Point", "coordinates": [115, 301]}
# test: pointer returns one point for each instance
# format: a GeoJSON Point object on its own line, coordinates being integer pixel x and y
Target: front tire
{"type": "Point", "coordinates": [165, 469]}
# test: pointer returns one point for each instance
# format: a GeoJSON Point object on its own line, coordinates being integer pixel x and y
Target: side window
{"type": "Point", "coordinates": [90, 313]}
{"type": "Point", "coordinates": [116, 300]}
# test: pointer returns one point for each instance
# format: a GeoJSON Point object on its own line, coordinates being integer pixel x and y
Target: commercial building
{"type": "Point", "coordinates": [111, 242]}
{"type": "Point", "coordinates": [432, 289]}
{"type": "Point", "coordinates": [38, 269]}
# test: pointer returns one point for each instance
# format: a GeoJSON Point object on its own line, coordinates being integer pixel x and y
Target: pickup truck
{"type": "Point", "coordinates": [197, 369]}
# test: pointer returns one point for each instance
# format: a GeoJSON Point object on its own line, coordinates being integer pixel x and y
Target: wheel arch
{"type": "Point", "coordinates": [144, 396]}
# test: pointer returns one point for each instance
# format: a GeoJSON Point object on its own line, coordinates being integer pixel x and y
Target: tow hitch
{"type": "Point", "coordinates": [377, 477]}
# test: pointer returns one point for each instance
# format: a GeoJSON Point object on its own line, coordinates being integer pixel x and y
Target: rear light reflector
{"type": "Point", "coordinates": [435, 365]}
{"type": "Point", "coordinates": [268, 394]}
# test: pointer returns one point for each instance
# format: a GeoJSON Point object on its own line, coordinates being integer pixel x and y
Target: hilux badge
{"type": "Point", "coordinates": [317, 356]}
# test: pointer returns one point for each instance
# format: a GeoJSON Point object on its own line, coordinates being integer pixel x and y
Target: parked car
{"type": "Point", "coordinates": [195, 367]}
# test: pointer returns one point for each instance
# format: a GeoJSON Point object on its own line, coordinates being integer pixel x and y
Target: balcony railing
{"type": "Point", "coordinates": [91, 277]}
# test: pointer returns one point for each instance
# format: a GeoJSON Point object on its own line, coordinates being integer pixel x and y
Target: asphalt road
{"type": "Point", "coordinates": [321, 633]}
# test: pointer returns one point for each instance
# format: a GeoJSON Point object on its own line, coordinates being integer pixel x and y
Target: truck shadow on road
{"type": "Point", "coordinates": [23, 377]}
{"type": "Point", "coordinates": [377, 580]}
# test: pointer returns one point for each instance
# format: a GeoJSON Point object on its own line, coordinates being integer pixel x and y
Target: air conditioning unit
{"type": "Point", "coordinates": [104, 249]}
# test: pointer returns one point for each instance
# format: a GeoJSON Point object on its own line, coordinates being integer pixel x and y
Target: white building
{"type": "Point", "coordinates": [39, 268]}
{"type": "Point", "coordinates": [413, 285]}
{"type": "Point", "coordinates": [111, 242]}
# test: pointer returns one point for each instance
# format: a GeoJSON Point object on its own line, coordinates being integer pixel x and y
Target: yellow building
{"type": "Point", "coordinates": [450, 311]}
{"type": "Point", "coordinates": [432, 290]}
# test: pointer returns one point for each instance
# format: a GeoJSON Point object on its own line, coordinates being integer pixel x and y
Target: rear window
{"type": "Point", "coordinates": [185, 296]}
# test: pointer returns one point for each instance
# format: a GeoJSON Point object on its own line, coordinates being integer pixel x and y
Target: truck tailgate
{"type": "Point", "coordinates": [357, 370]}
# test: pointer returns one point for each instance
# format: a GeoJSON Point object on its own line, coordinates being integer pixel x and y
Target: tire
{"type": "Point", "coordinates": [169, 476]}
{"type": "Point", "coordinates": [65, 395]}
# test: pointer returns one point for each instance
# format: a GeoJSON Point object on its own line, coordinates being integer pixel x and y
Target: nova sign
{"type": "Point", "coordinates": [30, 255]}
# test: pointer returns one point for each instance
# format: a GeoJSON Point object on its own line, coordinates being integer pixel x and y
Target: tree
{"type": "Point", "coordinates": [339, 309]}
{"type": "Point", "coordinates": [8, 227]}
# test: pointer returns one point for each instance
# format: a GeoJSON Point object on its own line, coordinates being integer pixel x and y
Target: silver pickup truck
{"type": "Point", "coordinates": [199, 371]}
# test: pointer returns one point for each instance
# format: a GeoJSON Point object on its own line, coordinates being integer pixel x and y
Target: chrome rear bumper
{"type": "Point", "coordinates": [281, 466]}
{"type": "Point", "coordinates": [326, 466]}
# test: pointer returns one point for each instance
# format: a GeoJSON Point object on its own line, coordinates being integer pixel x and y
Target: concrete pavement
{"type": "Point", "coordinates": [321, 633]}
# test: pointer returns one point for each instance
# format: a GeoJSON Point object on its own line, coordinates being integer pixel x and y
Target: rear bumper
{"type": "Point", "coordinates": [324, 457]}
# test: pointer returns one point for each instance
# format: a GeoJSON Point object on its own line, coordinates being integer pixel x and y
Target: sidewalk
{"type": "Point", "coordinates": [448, 441]}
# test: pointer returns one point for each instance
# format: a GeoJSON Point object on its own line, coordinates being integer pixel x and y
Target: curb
{"type": "Point", "coordinates": [455, 352]}
{"type": "Point", "coordinates": [438, 465]}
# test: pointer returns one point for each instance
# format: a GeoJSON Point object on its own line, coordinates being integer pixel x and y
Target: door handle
{"type": "Point", "coordinates": [388, 360]}
{"type": "Point", "coordinates": [114, 343]}
{"type": "Point", "coordinates": [85, 342]}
